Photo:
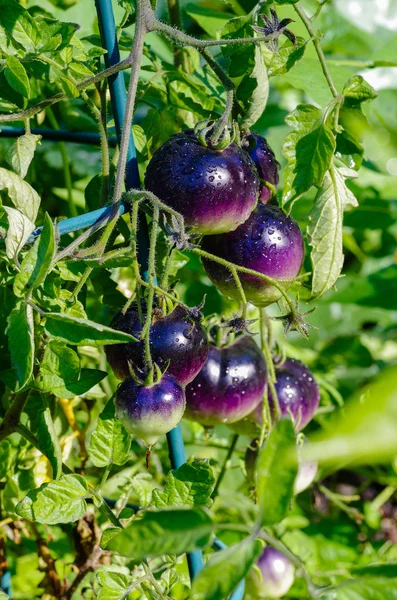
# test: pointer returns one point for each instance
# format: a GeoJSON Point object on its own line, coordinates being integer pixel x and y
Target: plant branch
{"type": "Point", "coordinates": [225, 464]}
{"type": "Point", "coordinates": [316, 42]}
{"type": "Point", "coordinates": [13, 415]}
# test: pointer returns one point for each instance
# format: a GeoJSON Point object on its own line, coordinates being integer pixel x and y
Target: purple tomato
{"type": "Point", "coordinates": [265, 162]}
{"type": "Point", "coordinates": [176, 338]}
{"type": "Point", "coordinates": [214, 190]}
{"type": "Point", "coordinates": [272, 577]}
{"type": "Point", "coordinates": [298, 396]}
{"type": "Point", "coordinates": [269, 242]}
{"type": "Point", "coordinates": [229, 386]}
{"type": "Point", "coordinates": [150, 411]}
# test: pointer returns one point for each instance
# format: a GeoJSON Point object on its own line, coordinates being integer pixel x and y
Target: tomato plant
{"type": "Point", "coordinates": [197, 243]}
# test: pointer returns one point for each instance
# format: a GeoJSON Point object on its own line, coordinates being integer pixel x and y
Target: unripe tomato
{"type": "Point", "coordinates": [273, 576]}
{"type": "Point", "coordinates": [150, 411]}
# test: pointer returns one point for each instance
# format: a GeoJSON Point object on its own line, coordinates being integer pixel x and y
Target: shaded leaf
{"type": "Point", "coordinates": [38, 260]}
{"type": "Point", "coordinates": [191, 484]}
{"type": "Point", "coordinates": [259, 94]}
{"type": "Point", "coordinates": [225, 570]}
{"type": "Point", "coordinates": [276, 471]}
{"type": "Point", "coordinates": [21, 153]}
{"type": "Point", "coordinates": [61, 501]}
{"type": "Point", "coordinates": [16, 76]}
{"type": "Point", "coordinates": [83, 332]}
{"type": "Point", "coordinates": [20, 331]}
{"type": "Point", "coordinates": [325, 230]}
{"type": "Point", "coordinates": [49, 442]}
{"type": "Point", "coordinates": [169, 531]}
{"type": "Point", "coordinates": [110, 443]}
{"type": "Point", "coordinates": [308, 150]}
{"type": "Point", "coordinates": [114, 586]}
{"type": "Point", "coordinates": [22, 195]}
{"type": "Point", "coordinates": [19, 229]}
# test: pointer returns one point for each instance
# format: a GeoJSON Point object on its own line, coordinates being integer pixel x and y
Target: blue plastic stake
{"type": "Point", "coordinates": [118, 95]}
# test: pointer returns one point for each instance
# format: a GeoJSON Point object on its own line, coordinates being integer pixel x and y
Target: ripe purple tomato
{"type": "Point", "coordinates": [229, 386]}
{"type": "Point", "coordinates": [176, 338]}
{"type": "Point", "coordinates": [273, 576]}
{"type": "Point", "coordinates": [269, 242]}
{"type": "Point", "coordinates": [298, 396]}
{"type": "Point", "coordinates": [265, 162]}
{"type": "Point", "coordinates": [150, 411]}
{"type": "Point", "coordinates": [214, 190]}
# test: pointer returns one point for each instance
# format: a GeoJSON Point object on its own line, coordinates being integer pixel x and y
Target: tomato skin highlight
{"type": "Point", "coordinates": [298, 396]}
{"type": "Point", "coordinates": [269, 242]}
{"type": "Point", "coordinates": [230, 385]}
{"type": "Point", "coordinates": [214, 190]}
{"type": "Point", "coordinates": [265, 162]}
{"type": "Point", "coordinates": [150, 411]}
{"type": "Point", "coordinates": [272, 577]}
{"type": "Point", "coordinates": [175, 338]}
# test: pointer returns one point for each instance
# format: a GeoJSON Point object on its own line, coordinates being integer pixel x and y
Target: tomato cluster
{"type": "Point", "coordinates": [226, 196]}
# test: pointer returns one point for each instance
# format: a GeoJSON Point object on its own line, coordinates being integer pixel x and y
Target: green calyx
{"type": "Point", "coordinates": [213, 134]}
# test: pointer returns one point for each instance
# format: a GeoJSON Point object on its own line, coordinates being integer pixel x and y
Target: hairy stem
{"type": "Point", "coordinates": [316, 42]}
{"type": "Point", "coordinates": [104, 144]}
{"type": "Point", "coordinates": [135, 60]}
{"type": "Point", "coordinates": [225, 464]}
{"type": "Point", "coordinates": [151, 281]}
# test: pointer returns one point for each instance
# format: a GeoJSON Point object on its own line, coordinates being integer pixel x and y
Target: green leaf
{"type": "Point", "coordinates": [19, 229]}
{"type": "Point", "coordinates": [49, 442]}
{"type": "Point", "coordinates": [114, 586]}
{"type": "Point", "coordinates": [17, 77]}
{"type": "Point", "coordinates": [211, 21]}
{"type": "Point", "coordinates": [38, 260]}
{"type": "Point", "coordinates": [20, 331]}
{"type": "Point", "coordinates": [60, 372]}
{"type": "Point", "coordinates": [286, 58]}
{"type": "Point", "coordinates": [242, 56]}
{"type": "Point", "coordinates": [4, 596]}
{"type": "Point", "coordinates": [22, 195]}
{"type": "Point", "coordinates": [325, 229]}
{"type": "Point", "coordinates": [191, 484]}
{"type": "Point", "coordinates": [110, 443]}
{"type": "Point", "coordinates": [276, 471]}
{"type": "Point", "coordinates": [21, 153]}
{"type": "Point", "coordinates": [69, 88]}
{"type": "Point", "coordinates": [308, 150]}
{"type": "Point", "coordinates": [358, 90]}
{"type": "Point", "coordinates": [61, 501]}
{"type": "Point", "coordinates": [366, 588]}
{"type": "Point", "coordinates": [225, 570]}
{"type": "Point", "coordinates": [82, 332]}
{"type": "Point", "coordinates": [365, 431]}
{"type": "Point", "coordinates": [169, 531]}
{"type": "Point", "coordinates": [5, 457]}
{"type": "Point", "coordinates": [19, 25]}
{"type": "Point", "coordinates": [259, 95]}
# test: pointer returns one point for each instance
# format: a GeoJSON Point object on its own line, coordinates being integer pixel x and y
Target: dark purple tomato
{"type": "Point", "coordinates": [269, 242]}
{"type": "Point", "coordinates": [175, 338]}
{"type": "Point", "coordinates": [229, 386]}
{"type": "Point", "coordinates": [150, 411]}
{"type": "Point", "coordinates": [214, 190]}
{"type": "Point", "coordinates": [274, 576]}
{"type": "Point", "coordinates": [265, 162]}
{"type": "Point", "coordinates": [298, 396]}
